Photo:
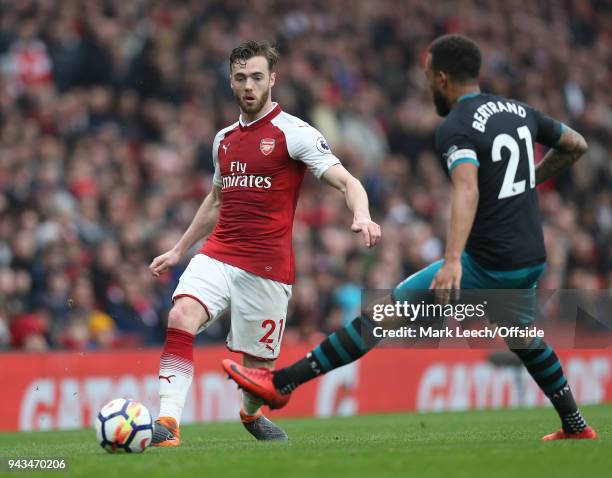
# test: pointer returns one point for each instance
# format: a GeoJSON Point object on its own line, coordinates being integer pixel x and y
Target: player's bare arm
{"type": "Point", "coordinates": [201, 226]}
{"type": "Point", "coordinates": [464, 203]}
{"type": "Point", "coordinates": [357, 201]}
{"type": "Point", "coordinates": [570, 147]}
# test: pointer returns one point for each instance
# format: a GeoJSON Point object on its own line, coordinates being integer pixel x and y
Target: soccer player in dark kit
{"type": "Point", "coordinates": [495, 239]}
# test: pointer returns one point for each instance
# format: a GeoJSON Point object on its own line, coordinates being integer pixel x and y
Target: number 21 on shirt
{"type": "Point", "coordinates": [510, 187]}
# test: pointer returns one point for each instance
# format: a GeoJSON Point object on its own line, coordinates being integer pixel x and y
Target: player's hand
{"type": "Point", "coordinates": [447, 279]}
{"type": "Point", "coordinates": [162, 263]}
{"type": "Point", "coordinates": [369, 230]}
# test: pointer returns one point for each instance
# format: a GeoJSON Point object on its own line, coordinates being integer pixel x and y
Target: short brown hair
{"type": "Point", "coordinates": [251, 48]}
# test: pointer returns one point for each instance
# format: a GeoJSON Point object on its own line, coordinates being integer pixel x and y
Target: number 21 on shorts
{"type": "Point", "coordinates": [270, 327]}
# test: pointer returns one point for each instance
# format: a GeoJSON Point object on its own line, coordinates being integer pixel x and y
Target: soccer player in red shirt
{"type": "Point", "coordinates": [246, 265]}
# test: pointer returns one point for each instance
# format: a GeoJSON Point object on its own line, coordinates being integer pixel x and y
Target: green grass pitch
{"type": "Point", "coordinates": [471, 444]}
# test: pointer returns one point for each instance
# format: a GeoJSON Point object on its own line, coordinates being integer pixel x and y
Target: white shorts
{"type": "Point", "coordinates": [258, 306]}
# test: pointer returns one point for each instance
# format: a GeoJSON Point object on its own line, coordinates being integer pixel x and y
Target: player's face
{"type": "Point", "coordinates": [251, 83]}
{"type": "Point", "coordinates": [438, 82]}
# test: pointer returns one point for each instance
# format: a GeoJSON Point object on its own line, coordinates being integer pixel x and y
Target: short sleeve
{"type": "Point", "coordinates": [215, 157]}
{"type": "Point", "coordinates": [549, 130]}
{"type": "Point", "coordinates": [455, 148]}
{"type": "Point", "coordinates": [308, 145]}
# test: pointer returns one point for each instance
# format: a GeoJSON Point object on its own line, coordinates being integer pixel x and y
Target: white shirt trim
{"type": "Point", "coordinates": [242, 123]}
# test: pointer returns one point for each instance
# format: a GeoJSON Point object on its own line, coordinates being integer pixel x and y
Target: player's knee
{"type": "Point", "coordinates": [185, 317]}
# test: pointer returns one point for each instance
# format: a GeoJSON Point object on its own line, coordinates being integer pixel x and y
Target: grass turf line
{"type": "Point", "coordinates": [501, 443]}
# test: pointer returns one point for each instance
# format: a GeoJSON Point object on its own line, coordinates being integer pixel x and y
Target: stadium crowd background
{"type": "Point", "coordinates": [108, 110]}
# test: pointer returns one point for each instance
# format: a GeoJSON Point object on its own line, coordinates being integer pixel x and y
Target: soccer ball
{"type": "Point", "coordinates": [124, 425]}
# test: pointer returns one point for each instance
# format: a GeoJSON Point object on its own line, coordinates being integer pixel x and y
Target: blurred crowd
{"type": "Point", "coordinates": [108, 109]}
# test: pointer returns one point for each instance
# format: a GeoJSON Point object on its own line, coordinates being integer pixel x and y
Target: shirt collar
{"type": "Point", "coordinates": [468, 96]}
{"type": "Point", "coordinates": [275, 109]}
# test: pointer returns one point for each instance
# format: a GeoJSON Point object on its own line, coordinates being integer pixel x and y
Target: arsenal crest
{"type": "Point", "coordinates": [266, 146]}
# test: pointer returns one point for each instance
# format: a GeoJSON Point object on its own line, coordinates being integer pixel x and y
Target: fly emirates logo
{"type": "Point", "coordinates": [238, 178]}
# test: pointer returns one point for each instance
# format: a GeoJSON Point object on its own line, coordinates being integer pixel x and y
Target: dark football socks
{"type": "Point", "coordinates": [340, 348]}
{"type": "Point", "coordinates": [543, 365]}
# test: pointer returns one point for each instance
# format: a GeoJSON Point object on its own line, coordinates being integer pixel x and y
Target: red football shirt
{"type": "Point", "coordinates": [259, 167]}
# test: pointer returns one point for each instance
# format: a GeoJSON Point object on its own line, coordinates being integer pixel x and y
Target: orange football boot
{"type": "Point", "coordinates": [166, 432]}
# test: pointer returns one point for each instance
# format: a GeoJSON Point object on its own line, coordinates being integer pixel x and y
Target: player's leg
{"type": "Point", "coordinates": [516, 305]}
{"type": "Point", "coordinates": [200, 297]}
{"type": "Point", "coordinates": [251, 405]}
{"type": "Point", "coordinates": [543, 364]}
{"type": "Point", "coordinates": [342, 347]}
{"type": "Point", "coordinates": [347, 344]}
{"type": "Point", "coordinates": [251, 415]}
{"type": "Point", "coordinates": [259, 310]}
{"type": "Point", "coordinates": [176, 368]}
